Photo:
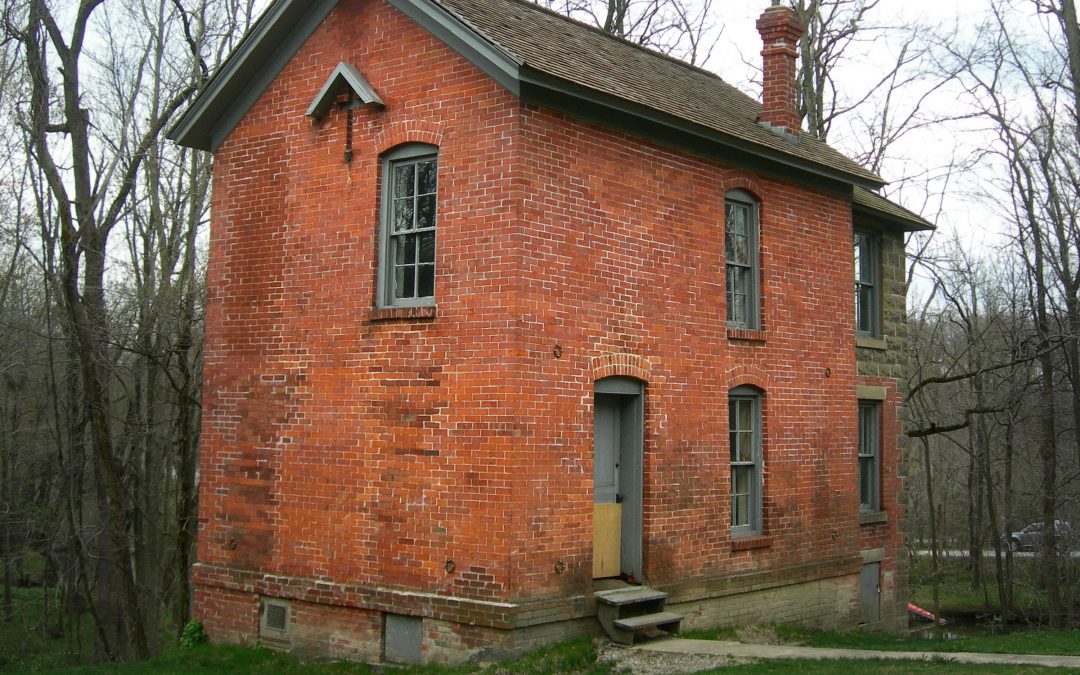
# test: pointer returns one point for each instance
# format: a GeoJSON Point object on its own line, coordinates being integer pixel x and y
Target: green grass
{"type": "Point", "coordinates": [573, 656]}
{"type": "Point", "coordinates": [26, 645]}
{"type": "Point", "coordinates": [956, 596]}
{"type": "Point", "coordinates": [221, 659]}
{"type": "Point", "coordinates": [1064, 643]}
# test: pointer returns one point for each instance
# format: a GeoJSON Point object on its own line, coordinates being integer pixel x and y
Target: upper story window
{"type": "Point", "coordinates": [869, 452]}
{"type": "Point", "coordinates": [407, 226]}
{"type": "Point", "coordinates": [744, 438]}
{"type": "Point", "coordinates": [741, 260]}
{"type": "Point", "coordinates": [867, 312]}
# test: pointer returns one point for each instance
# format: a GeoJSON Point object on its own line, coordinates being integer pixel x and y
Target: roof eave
{"type": "Point", "coordinates": [913, 224]}
{"type": "Point", "coordinates": [259, 58]}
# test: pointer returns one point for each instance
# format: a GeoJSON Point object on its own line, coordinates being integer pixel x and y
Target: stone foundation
{"type": "Point", "coordinates": [325, 629]}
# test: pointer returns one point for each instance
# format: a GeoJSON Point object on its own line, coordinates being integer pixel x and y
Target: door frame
{"type": "Point", "coordinates": [631, 394]}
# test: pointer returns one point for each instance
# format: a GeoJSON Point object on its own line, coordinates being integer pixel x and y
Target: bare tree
{"type": "Point", "coordinates": [684, 29]}
{"type": "Point", "coordinates": [115, 236]}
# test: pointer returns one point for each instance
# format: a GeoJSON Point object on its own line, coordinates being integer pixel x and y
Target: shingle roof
{"type": "Point", "coordinates": [533, 52]}
{"type": "Point", "coordinates": [886, 209]}
{"type": "Point", "coordinates": [552, 44]}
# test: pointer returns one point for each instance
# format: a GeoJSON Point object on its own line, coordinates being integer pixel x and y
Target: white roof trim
{"type": "Point", "coordinates": [344, 75]}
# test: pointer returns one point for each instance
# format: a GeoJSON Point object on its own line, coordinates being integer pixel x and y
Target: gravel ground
{"type": "Point", "coordinates": [637, 662]}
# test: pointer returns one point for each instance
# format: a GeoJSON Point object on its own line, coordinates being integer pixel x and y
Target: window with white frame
{"type": "Point", "coordinates": [867, 314]}
{"type": "Point", "coordinates": [741, 259]}
{"type": "Point", "coordinates": [869, 454]}
{"type": "Point", "coordinates": [407, 226]}
{"type": "Point", "coordinates": [744, 437]}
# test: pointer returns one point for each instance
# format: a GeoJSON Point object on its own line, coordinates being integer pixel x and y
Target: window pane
{"type": "Point", "coordinates": [864, 259]}
{"type": "Point", "coordinates": [740, 480]}
{"type": "Point", "coordinates": [746, 415]}
{"type": "Point", "coordinates": [745, 448]}
{"type": "Point", "coordinates": [427, 177]}
{"type": "Point", "coordinates": [405, 249]}
{"type": "Point", "coordinates": [403, 180]}
{"type": "Point", "coordinates": [858, 255]}
{"type": "Point", "coordinates": [404, 282]}
{"type": "Point", "coordinates": [738, 299]}
{"type": "Point", "coordinates": [864, 307]}
{"type": "Point", "coordinates": [740, 510]}
{"type": "Point", "coordinates": [736, 218]}
{"type": "Point", "coordinates": [425, 211]}
{"type": "Point", "coordinates": [427, 247]}
{"type": "Point", "coordinates": [425, 281]}
{"type": "Point", "coordinates": [403, 214]}
{"type": "Point", "coordinates": [738, 248]}
{"type": "Point", "coordinates": [866, 481]}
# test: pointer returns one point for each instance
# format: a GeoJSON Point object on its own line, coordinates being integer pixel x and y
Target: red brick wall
{"type": "Point", "coordinates": [341, 446]}
{"type": "Point", "coordinates": [629, 242]}
{"type": "Point", "coordinates": [336, 446]}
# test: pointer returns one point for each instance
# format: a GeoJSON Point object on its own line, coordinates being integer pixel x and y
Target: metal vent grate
{"type": "Point", "coordinates": [276, 617]}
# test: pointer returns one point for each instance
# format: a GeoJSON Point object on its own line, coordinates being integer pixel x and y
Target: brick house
{"type": "Point", "coordinates": [631, 355]}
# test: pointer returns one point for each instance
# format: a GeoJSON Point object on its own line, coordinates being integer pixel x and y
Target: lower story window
{"type": "Point", "coordinates": [744, 437]}
{"type": "Point", "coordinates": [869, 451]}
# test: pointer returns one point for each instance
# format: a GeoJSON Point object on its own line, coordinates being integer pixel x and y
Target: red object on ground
{"type": "Point", "coordinates": [915, 609]}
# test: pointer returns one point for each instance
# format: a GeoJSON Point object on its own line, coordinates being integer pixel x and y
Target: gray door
{"type": "Point", "coordinates": [870, 593]}
{"type": "Point", "coordinates": [617, 473]}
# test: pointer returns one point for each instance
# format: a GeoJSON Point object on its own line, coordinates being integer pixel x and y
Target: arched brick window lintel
{"type": "Point", "coordinates": [620, 364]}
{"type": "Point", "coordinates": [408, 131]}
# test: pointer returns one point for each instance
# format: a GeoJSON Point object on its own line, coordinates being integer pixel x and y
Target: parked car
{"type": "Point", "coordinates": [1030, 538]}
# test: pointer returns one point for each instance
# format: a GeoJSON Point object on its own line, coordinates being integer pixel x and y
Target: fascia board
{"type": "Point", "coordinates": [259, 58]}
{"type": "Point", "coordinates": [536, 84]}
{"type": "Point", "coordinates": [501, 66]}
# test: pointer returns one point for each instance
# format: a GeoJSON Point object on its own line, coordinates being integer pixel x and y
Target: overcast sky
{"type": "Point", "coordinates": [962, 210]}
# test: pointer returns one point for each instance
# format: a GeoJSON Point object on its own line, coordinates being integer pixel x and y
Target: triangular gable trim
{"type": "Point", "coordinates": [344, 75]}
{"type": "Point", "coordinates": [261, 55]}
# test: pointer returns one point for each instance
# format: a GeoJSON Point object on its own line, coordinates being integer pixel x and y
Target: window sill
{"type": "Point", "coordinates": [403, 313]}
{"type": "Point", "coordinates": [873, 517]}
{"type": "Point", "coordinates": [746, 334]}
{"type": "Point", "coordinates": [751, 542]}
{"type": "Point", "coordinates": [867, 342]}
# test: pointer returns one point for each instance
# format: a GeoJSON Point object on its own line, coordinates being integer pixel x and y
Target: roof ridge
{"type": "Point", "coordinates": [599, 31]}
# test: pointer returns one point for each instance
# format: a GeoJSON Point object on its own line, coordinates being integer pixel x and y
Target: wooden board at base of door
{"type": "Point", "coordinates": [607, 540]}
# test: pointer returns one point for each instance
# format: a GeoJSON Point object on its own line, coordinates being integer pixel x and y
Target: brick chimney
{"type": "Point", "coordinates": [780, 30]}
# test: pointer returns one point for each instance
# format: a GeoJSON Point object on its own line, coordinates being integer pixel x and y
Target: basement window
{"type": "Point", "coordinates": [403, 638]}
{"type": "Point", "coordinates": [274, 621]}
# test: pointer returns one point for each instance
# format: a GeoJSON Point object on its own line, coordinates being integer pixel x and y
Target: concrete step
{"type": "Point", "coordinates": [661, 619]}
{"type": "Point", "coordinates": [634, 611]}
{"type": "Point", "coordinates": [630, 595]}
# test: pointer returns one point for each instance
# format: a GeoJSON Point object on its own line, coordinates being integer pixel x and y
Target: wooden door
{"type": "Point", "coordinates": [607, 506]}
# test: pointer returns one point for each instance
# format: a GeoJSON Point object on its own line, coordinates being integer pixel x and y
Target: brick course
{"type": "Point", "coordinates": [438, 462]}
